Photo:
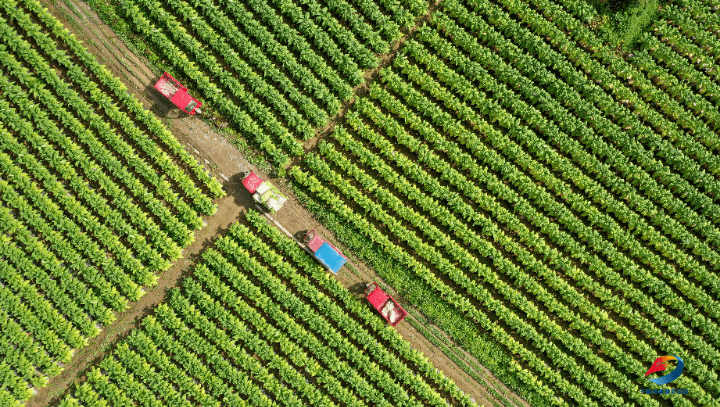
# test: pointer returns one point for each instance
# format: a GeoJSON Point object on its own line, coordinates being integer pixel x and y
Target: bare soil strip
{"type": "Point", "coordinates": [228, 164]}
{"type": "Point", "coordinates": [370, 76]}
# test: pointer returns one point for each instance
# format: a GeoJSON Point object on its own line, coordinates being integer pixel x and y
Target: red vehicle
{"type": "Point", "coordinates": [177, 93]}
{"type": "Point", "coordinates": [385, 304]}
{"type": "Point", "coordinates": [264, 192]}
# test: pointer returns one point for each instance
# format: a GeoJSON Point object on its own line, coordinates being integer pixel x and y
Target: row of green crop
{"type": "Point", "coordinates": [33, 206]}
{"type": "Point", "coordinates": [284, 110]}
{"type": "Point", "coordinates": [693, 31]}
{"type": "Point", "coordinates": [522, 210]}
{"type": "Point", "coordinates": [156, 156]}
{"type": "Point", "coordinates": [456, 204]}
{"type": "Point", "coordinates": [619, 184]}
{"type": "Point", "coordinates": [673, 98]}
{"type": "Point", "coordinates": [283, 339]}
{"type": "Point", "coordinates": [469, 190]}
{"type": "Point", "coordinates": [26, 292]}
{"type": "Point", "coordinates": [603, 174]}
{"type": "Point", "coordinates": [342, 36]}
{"type": "Point", "coordinates": [77, 217]}
{"type": "Point", "coordinates": [552, 104]}
{"type": "Point", "coordinates": [696, 68]}
{"type": "Point", "coordinates": [145, 250]}
{"type": "Point", "coordinates": [347, 62]}
{"type": "Point", "coordinates": [682, 149]}
{"type": "Point", "coordinates": [554, 210]}
{"type": "Point", "coordinates": [377, 39]}
{"type": "Point", "coordinates": [34, 112]}
{"type": "Point", "coordinates": [698, 246]}
{"type": "Point", "coordinates": [306, 80]}
{"type": "Point", "coordinates": [67, 294]}
{"type": "Point", "coordinates": [24, 360]}
{"type": "Point", "coordinates": [286, 44]}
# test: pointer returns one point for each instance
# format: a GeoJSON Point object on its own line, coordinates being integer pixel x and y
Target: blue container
{"type": "Point", "coordinates": [329, 257]}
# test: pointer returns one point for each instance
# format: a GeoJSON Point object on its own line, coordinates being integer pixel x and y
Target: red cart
{"type": "Point", "coordinates": [385, 304]}
{"type": "Point", "coordinates": [177, 93]}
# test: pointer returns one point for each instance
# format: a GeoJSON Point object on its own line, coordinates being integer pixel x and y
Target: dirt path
{"type": "Point", "coordinates": [227, 164]}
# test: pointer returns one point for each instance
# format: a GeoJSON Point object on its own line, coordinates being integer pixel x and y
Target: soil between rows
{"type": "Point", "coordinates": [227, 164]}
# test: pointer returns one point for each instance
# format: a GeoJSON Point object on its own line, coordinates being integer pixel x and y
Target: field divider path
{"type": "Point", "coordinates": [370, 76]}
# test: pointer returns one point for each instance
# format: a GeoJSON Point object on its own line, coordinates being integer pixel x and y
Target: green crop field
{"type": "Point", "coordinates": [537, 180]}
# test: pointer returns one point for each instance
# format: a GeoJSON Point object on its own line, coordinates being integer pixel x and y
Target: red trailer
{"type": "Point", "coordinates": [385, 304]}
{"type": "Point", "coordinates": [177, 93]}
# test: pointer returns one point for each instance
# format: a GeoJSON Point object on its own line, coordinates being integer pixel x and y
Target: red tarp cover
{"type": "Point", "coordinates": [252, 181]}
{"type": "Point", "coordinates": [181, 99]}
{"type": "Point", "coordinates": [377, 298]}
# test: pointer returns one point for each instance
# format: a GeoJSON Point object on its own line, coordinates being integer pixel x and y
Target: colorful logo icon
{"type": "Point", "coordinates": [661, 363]}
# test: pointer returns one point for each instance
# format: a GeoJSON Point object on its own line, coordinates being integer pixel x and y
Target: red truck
{"type": "Point", "coordinates": [385, 304]}
{"type": "Point", "coordinates": [178, 94]}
